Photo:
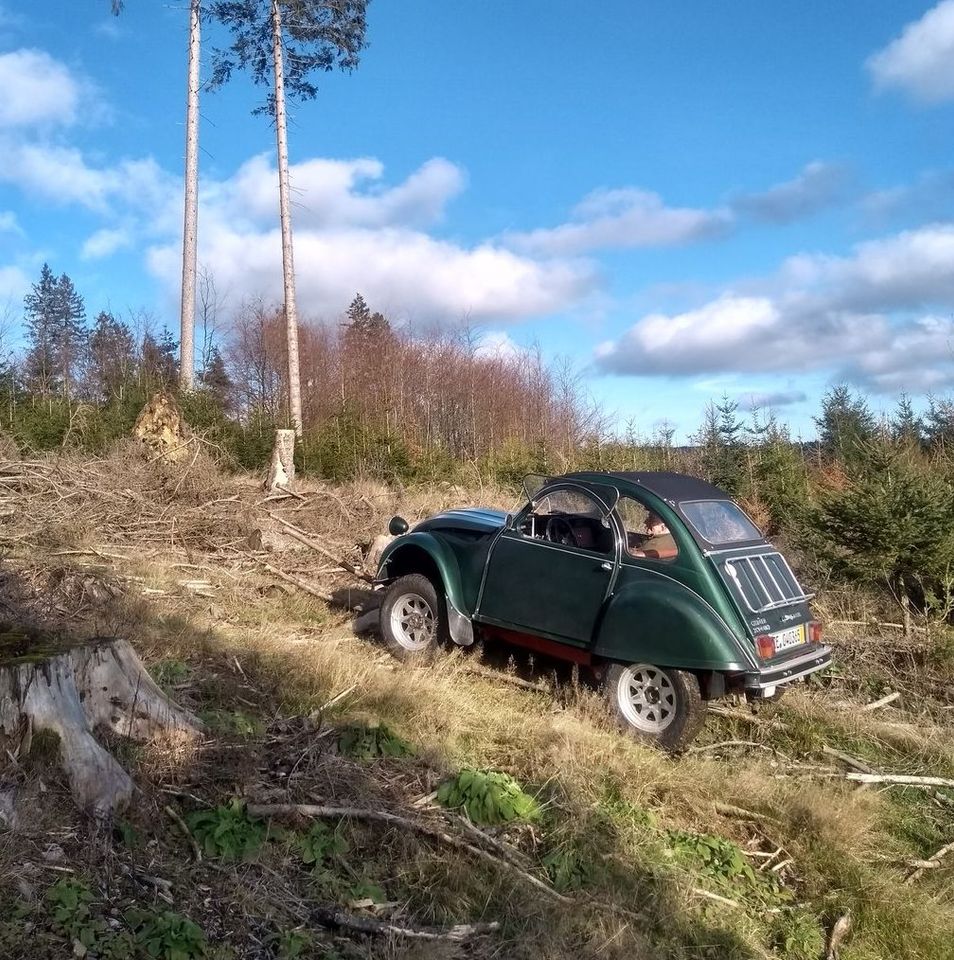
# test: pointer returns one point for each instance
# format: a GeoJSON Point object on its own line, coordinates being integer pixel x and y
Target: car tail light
{"type": "Point", "coordinates": [765, 644]}
{"type": "Point", "coordinates": [814, 632]}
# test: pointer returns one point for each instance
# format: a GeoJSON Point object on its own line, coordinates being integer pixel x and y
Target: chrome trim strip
{"type": "Point", "coordinates": [729, 567]}
{"type": "Point", "coordinates": [757, 683]}
{"type": "Point", "coordinates": [768, 570]}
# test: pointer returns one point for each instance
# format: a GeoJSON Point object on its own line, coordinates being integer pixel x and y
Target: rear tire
{"type": "Point", "coordinates": [660, 705]}
{"type": "Point", "coordinates": [413, 618]}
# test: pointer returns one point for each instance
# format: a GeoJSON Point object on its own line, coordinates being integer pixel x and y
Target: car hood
{"type": "Point", "coordinates": [473, 519]}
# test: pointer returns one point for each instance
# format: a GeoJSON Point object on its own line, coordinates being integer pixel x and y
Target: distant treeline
{"type": "Point", "coordinates": [872, 499]}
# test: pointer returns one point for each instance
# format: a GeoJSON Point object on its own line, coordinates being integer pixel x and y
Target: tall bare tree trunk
{"type": "Point", "coordinates": [190, 224]}
{"type": "Point", "coordinates": [288, 260]}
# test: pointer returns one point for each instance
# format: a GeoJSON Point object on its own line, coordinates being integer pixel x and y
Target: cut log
{"type": "Point", "coordinates": [281, 474]}
{"type": "Point", "coordinates": [161, 427]}
{"type": "Point", "coordinates": [71, 691]}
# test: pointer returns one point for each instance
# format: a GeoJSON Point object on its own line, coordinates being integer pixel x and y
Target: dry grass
{"type": "Point", "coordinates": [244, 650]}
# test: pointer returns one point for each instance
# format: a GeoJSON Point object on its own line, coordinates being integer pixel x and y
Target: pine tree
{"type": "Point", "coordinates": [216, 379]}
{"type": "Point", "coordinates": [158, 360]}
{"type": "Point", "coordinates": [906, 426]}
{"type": "Point", "coordinates": [364, 327]}
{"type": "Point", "coordinates": [111, 358]}
{"type": "Point", "coordinates": [71, 335]}
{"type": "Point", "coordinates": [39, 365]}
{"type": "Point", "coordinates": [939, 423]}
{"type": "Point", "coordinates": [845, 424]}
{"type": "Point", "coordinates": [285, 43]}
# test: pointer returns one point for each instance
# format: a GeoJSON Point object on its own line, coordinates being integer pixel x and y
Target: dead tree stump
{"type": "Point", "coordinates": [281, 474]}
{"type": "Point", "coordinates": [72, 691]}
{"type": "Point", "coordinates": [161, 427]}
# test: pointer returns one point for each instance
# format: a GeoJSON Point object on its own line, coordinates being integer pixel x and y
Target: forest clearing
{"type": "Point", "coordinates": [326, 808]}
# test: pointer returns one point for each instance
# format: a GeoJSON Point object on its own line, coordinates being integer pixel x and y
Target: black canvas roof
{"type": "Point", "coordinates": [674, 487]}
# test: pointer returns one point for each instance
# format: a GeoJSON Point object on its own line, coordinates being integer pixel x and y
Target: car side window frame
{"type": "Point", "coordinates": [607, 513]}
{"type": "Point", "coordinates": [626, 551]}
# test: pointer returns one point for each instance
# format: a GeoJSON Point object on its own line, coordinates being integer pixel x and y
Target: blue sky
{"type": "Point", "coordinates": [754, 198]}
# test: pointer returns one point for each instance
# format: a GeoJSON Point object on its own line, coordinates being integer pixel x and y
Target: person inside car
{"type": "Point", "coordinates": [658, 542]}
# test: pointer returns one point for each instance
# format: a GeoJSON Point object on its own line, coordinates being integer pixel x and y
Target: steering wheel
{"type": "Point", "coordinates": [560, 530]}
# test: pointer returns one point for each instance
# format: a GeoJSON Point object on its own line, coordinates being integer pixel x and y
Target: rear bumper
{"type": "Point", "coordinates": [790, 670]}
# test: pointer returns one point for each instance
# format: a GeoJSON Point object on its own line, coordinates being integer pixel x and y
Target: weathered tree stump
{"type": "Point", "coordinates": [161, 427]}
{"type": "Point", "coordinates": [281, 473]}
{"type": "Point", "coordinates": [74, 690]}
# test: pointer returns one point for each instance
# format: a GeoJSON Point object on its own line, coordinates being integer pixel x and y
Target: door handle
{"type": "Point", "coordinates": [606, 565]}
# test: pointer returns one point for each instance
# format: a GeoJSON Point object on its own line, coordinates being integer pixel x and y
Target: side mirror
{"type": "Point", "coordinates": [397, 526]}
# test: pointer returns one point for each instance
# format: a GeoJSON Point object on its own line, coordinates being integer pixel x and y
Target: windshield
{"type": "Point", "coordinates": [720, 521]}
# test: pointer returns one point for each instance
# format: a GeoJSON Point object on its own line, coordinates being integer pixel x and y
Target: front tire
{"type": "Point", "coordinates": [663, 706]}
{"type": "Point", "coordinates": [413, 618]}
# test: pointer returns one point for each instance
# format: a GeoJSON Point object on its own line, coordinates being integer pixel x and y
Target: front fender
{"type": "Point", "coordinates": [424, 553]}
{"type": "Point", "coordinates": [669, 625]}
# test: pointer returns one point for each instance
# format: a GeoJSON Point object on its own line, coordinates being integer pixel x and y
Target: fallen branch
{"type": "Point", "coordinates": [730, 810]}
{"type": "Point", "coordinates": [848, 759]}
{"type": "Point", "coordinates": [931, 863]}
{"type": "Point", "coordinates": [883, 702]}
{"type": "Point", "coordinates": [900, 778]}
{"type": "Point", "coordinates": [297, 582]}
{"type": "Point", "coordinates": [335, 918]}
{"type": "Point", "coordinates": [298, 534]}
{"type": "Point", "coordinates": [381, 816]}
{"type": "Point", "coordinates": [506, 678]}
{"type": "Point", "coordinates": [714, 896]}
{"type": "Point", "coordinates": [187, 833]}
{"type": "Point", "coordinates": [727, 743]}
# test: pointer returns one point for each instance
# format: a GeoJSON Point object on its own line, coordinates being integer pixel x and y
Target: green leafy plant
{"type": "Point", "coordinates": [167, 935]}
{"type": "Point", "coordinates": [72, 915]}
{"type": "Point", "coordinates": [371, 742]}
{"type": "Point", "coordinates": [796, 935]}
{"type": "Point", "coordinates": [227, 831]}
{"type": "Point", "coordinates": [488, 798]}
{"type": "Point", "coordinates": [126, 832]}
{"type": "Point", "coordinates": [568, 869]}
{"type": "Point", "coordinates": [291, 944]}
{"type": "Point", "coordinates": [232, 722]}
{"type": "Point", "coordinates": [321, 845]}
{"type": "Point", "coordinates": [723, 863]}
{"type": "Point", "coordinates": [365, 889]}
{"type": "Point", "coordinates": [167, 673]}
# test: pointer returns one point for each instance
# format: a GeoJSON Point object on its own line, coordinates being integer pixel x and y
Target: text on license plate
{"type": "Point", "coordinates": [789, 638]}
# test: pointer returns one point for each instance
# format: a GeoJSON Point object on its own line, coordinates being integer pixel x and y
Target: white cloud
{"type": "Point", "coordinates": [406, 273]}
{"type": "Point", "coordinates": [921, 60]}
{"type": "Point", "coordinates": [8, 222]}
{"type": "Point", "coordinates": [13, 283]}
{"type": "Point", "coordinates": [817, 186]}
{"type": "Point", "coordinates": [623, 218]}
{"type": "Point", "coordinates": [62, 175]}
{"type": "Point", "coordinates": [353, 232]}
{"type": "Point", "coordinates": [929, 198]}
{"type": "Point", "coordinates": [105, 242]}
{"type": "Point", "coordinates": [497, 344]}
{"type": "Point", "coordinates": [37, 90]}
{"type": "Point", "coordinates": [341, 192]}
{"type": "Point", "coordinates": [871, 317]}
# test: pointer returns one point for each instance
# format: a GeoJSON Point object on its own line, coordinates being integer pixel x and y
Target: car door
{"type": "Point", "coordinates": [537, 584]}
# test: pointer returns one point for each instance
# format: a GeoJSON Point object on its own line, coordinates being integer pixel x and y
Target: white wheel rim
{"type": "Point", "coordinates": [413, 624]}
{"type": "Point", "coordinates": [646, 697]}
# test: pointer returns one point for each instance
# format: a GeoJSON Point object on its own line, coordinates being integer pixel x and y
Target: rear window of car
{"type": "Point", "coordinates": [720, 521]}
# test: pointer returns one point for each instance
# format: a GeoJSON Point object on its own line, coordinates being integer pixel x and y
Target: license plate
{"type": "Point", "coordinates": [789, 638]}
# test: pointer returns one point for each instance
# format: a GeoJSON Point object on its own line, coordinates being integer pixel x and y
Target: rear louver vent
{"type": "Point", "coordinates": [765, 581]}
